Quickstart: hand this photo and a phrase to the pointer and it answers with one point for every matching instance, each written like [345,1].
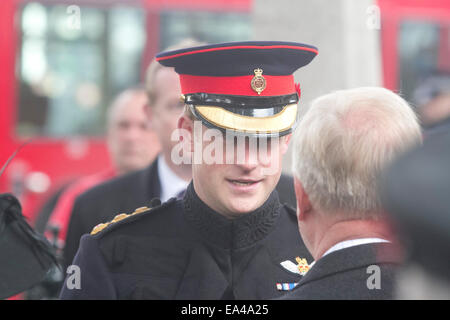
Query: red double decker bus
[63,62]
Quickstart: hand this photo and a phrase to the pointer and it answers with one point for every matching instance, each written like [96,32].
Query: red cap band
[240,85]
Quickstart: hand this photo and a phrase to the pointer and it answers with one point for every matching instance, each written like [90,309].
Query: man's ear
[186,128]
[303,204]
[285,143]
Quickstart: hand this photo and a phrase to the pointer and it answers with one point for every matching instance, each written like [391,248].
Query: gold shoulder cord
[117,218]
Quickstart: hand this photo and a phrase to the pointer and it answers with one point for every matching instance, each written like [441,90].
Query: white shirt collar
[348,244]
[171,184]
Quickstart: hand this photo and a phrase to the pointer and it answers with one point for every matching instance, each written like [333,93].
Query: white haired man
[340,147]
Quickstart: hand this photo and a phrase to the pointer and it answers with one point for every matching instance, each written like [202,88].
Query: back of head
[343,142]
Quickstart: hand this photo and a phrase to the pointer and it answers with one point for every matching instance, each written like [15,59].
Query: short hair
[155,66]
[344,141]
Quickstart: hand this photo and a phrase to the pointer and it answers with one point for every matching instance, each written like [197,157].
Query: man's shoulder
[148,241]
[376,281]
[141,221]
[114,186]
[360,272]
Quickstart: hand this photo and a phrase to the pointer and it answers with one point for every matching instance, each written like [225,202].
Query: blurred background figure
[160,179]
[132,146]
[132,143]
[432,99]
[416,192]
[341,144]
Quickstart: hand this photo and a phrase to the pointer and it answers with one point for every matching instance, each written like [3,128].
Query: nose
[247,160]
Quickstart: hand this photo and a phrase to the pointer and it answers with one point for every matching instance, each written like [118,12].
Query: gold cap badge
[258,81]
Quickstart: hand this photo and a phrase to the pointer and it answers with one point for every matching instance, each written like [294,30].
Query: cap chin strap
[225,101]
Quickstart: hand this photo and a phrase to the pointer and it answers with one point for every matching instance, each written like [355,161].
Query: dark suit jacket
[123,195]
[344,274]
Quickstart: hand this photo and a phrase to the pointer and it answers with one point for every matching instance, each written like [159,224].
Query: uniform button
[120,217]
[141,209]
[99,228]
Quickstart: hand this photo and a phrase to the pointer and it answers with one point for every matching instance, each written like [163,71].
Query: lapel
[351,258]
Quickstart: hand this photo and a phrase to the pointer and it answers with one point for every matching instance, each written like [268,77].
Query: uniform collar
[350,243]
[231,233]
[350,258]
[353,242]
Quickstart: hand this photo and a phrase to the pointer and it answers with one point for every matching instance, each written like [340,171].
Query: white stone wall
[346,33]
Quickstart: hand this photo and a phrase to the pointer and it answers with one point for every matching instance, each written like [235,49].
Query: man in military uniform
[229,237]
[162,179]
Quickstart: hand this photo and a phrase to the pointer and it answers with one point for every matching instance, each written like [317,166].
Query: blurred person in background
[161,179]
[416,192]
[432,99]
[132,145]
[343,141]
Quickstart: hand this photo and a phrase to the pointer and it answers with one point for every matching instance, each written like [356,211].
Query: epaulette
[128,217]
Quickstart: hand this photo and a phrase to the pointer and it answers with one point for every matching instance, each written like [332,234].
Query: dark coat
[185,250]
[124,194]
[103,202]
[344,274]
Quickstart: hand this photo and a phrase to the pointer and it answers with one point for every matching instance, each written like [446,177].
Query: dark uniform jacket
[185,250]
[124,194]
[103,202]
[347,274]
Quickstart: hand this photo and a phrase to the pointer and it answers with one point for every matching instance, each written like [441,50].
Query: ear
[285,143]
[186,128]
[303,204]
[185,123]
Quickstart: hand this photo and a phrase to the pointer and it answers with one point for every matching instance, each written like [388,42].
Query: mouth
[242,185]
